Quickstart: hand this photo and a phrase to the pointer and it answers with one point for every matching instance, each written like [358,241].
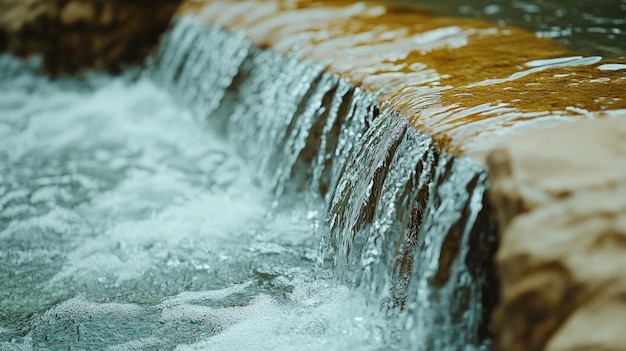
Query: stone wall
[560,198]
[75,34]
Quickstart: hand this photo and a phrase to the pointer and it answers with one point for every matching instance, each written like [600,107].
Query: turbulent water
[126,226]
[229,198]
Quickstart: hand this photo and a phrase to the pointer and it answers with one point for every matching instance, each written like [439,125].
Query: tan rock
[605,314]
[107,14]
[78,12]
[560,198]
[15,14]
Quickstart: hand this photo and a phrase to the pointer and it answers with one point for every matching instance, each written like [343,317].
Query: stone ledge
[466,82]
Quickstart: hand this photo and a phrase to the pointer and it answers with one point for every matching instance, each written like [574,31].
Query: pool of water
[125,225]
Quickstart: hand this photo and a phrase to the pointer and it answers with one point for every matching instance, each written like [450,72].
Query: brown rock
[560,198]
[78,12]
[607,311]
[72,35]
[16,14]
[107,14]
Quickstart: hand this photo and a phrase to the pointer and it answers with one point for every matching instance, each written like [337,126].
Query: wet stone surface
[467,82]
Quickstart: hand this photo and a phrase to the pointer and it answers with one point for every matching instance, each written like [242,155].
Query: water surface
[126,225]
[593,27]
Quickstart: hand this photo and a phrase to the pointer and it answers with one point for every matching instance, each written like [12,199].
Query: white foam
[197,296]
[80,307]
[553,61]
[611,67]
[163,197]
[218,319]
[541,65]
[140,344]
[317,317]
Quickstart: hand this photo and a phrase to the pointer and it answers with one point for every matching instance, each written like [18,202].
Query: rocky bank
[72,35]
[560,198]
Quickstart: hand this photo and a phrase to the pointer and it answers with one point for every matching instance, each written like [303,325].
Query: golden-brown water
[465,81]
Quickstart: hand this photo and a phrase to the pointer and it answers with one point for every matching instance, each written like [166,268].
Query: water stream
[230,198]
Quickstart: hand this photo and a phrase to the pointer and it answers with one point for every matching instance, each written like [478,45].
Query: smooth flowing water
[594,27]
[230,198]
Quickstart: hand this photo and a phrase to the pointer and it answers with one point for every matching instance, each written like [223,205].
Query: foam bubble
[140,344]
[317,316]
[611,67]
[80,307]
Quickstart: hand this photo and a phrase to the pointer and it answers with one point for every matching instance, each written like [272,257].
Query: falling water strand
[361,113]
[197,63]
[408,177]
[443,297]
[248,127]
[325,149]
[295,142]
[358,190]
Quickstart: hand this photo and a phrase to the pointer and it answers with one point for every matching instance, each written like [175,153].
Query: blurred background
[595,27]
[76,34]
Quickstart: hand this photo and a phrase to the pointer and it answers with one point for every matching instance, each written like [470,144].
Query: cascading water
[401,219]
[128,227]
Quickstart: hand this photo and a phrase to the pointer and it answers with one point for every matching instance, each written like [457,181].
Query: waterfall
[401,221]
